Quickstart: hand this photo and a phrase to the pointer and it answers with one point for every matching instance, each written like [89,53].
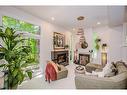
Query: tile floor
[40,83]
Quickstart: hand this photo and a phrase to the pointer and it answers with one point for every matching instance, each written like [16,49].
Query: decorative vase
[84,45]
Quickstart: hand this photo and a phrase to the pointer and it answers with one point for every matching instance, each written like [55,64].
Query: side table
[80,70]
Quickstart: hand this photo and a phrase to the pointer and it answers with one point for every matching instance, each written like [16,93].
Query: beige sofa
[118,81]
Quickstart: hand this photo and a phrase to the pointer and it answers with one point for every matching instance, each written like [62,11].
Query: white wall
[47,40]
[111,36]
[47,29]
[124,44]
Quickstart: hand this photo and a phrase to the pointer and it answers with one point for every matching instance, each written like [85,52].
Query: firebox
[60,57]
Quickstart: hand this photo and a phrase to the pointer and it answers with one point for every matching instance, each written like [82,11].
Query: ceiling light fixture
[98,23]
[80,32]
[73,29]
[52,18]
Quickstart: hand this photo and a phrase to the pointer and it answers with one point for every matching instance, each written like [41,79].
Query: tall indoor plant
[16,56]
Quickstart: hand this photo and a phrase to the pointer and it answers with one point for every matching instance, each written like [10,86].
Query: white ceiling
[65,16]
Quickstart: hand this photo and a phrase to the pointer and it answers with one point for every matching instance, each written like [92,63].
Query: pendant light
[80,32]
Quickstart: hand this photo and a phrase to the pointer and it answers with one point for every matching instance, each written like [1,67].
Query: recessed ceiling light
[73,29]
[52,18]
[98,23]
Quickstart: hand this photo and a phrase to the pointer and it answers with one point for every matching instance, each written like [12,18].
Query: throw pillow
[107,71]
[59,68]
[113,63]
[114,70]
[118,63]
[54,65]
[121,67]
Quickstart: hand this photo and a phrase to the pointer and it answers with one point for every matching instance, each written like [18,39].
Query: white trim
[31,35]
[124,35]
[0,20]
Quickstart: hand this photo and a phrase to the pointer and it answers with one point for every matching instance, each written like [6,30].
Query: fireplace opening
[61,58]
[84,59]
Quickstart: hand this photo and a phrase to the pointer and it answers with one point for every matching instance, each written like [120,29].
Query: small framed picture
[84,59]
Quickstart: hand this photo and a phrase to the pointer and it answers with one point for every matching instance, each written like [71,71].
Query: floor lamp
[104,55]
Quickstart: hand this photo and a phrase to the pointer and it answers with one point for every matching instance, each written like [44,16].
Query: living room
[74,37]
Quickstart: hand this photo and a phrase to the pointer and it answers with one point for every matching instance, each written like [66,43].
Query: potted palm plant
[16,56]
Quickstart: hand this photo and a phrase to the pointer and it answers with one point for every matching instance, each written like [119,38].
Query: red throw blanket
[50,73]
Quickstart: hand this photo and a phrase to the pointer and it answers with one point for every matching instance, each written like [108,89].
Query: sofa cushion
[59,67]
[108,71]
[121,67]
[98,70]
[92,67]
[119,63]
[113,72]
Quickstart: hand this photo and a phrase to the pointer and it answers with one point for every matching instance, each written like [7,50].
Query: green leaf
[9,31]
[22,78]
[1,31]
[9,55]
[15,72]
[2,56]
[29,73]
[14,83]
[2,49]
[16,36]
[30,60]
[19,76]
[10,79]
[2,65]
[24,65]
[14,43]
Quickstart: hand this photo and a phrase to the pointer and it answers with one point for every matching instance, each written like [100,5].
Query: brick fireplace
[60,57]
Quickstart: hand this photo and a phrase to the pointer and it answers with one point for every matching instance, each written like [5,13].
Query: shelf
[60,50]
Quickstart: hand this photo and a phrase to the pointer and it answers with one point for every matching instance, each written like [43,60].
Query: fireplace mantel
[59,50]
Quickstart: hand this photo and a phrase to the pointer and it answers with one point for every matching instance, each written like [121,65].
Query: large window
[20,25]
[31,30]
